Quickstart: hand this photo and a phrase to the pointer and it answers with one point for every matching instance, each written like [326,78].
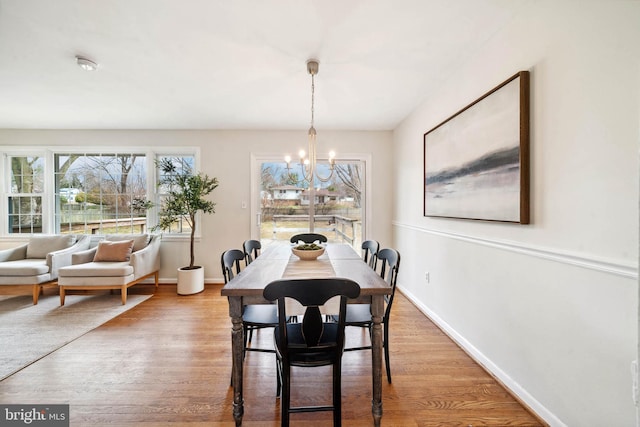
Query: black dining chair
[254,316]
[359,315]
[313,342]
[308,238]
[370,250]
[251,250]
[231,258]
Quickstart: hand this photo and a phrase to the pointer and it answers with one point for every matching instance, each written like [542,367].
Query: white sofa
[36,264]
[89,272]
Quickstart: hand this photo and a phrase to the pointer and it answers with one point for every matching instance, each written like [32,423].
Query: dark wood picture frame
[476,162]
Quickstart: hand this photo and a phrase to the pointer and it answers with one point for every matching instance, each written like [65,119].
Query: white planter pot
[190,281]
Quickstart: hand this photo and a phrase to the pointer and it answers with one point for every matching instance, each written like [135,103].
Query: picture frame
[476,162]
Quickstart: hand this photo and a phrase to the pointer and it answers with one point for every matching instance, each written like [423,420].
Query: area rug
[30,332]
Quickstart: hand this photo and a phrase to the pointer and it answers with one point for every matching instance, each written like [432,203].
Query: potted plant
[185,192]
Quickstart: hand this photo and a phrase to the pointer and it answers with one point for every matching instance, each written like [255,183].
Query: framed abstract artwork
[476,163]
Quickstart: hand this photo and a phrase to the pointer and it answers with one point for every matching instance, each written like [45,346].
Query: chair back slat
[312,326]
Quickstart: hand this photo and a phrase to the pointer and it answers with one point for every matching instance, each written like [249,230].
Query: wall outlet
[427,277]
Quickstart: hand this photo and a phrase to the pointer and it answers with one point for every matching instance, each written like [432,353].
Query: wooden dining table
[277,262]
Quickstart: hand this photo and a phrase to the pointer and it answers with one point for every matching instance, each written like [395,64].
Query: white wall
[227,156]
[551,307]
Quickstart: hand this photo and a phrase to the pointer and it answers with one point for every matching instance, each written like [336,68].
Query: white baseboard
[172,281]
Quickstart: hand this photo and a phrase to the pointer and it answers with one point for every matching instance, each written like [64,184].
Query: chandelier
[308,164]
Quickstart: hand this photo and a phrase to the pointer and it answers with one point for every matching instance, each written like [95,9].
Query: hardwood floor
[166,362]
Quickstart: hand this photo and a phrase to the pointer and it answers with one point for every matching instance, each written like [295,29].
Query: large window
[97,192]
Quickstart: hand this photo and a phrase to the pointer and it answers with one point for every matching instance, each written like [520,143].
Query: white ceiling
[232,64]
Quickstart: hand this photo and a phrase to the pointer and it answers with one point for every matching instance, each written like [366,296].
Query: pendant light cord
[313,91]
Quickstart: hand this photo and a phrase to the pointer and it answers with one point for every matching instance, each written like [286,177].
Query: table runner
[299,269]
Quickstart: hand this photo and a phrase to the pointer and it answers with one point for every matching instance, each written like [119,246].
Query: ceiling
[232,64]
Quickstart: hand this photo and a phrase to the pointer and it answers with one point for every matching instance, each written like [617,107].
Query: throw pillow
[113,251]
[40,246]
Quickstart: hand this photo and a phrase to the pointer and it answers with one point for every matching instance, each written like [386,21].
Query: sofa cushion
[40,246]
[24,267]
[113,251]
[96,269]
[140,241]
[94,281]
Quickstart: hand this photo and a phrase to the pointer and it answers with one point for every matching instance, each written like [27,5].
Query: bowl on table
[308,252]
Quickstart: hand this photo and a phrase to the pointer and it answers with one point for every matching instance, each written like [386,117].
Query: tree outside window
[25,194]
[101,193]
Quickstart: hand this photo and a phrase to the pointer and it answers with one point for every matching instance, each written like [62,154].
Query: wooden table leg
[237,340]
[377,309]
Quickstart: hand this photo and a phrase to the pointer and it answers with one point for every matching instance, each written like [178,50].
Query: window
[25,194]
[100,193]
[106,191]
[180,164]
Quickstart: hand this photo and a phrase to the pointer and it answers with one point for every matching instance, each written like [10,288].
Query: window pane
[26,187]
[27,174]
[178,166]
[25,214]
[101,193]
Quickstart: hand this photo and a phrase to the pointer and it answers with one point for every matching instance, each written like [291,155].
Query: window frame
[366,159]
[107,164]
[5,181]
[157,195]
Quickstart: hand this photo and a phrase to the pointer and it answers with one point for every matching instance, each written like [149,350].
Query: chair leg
[245,341]
[337,394]
[285,397]
[250,334]
[278,378]
[385,346]
[62,294]
[124,294]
